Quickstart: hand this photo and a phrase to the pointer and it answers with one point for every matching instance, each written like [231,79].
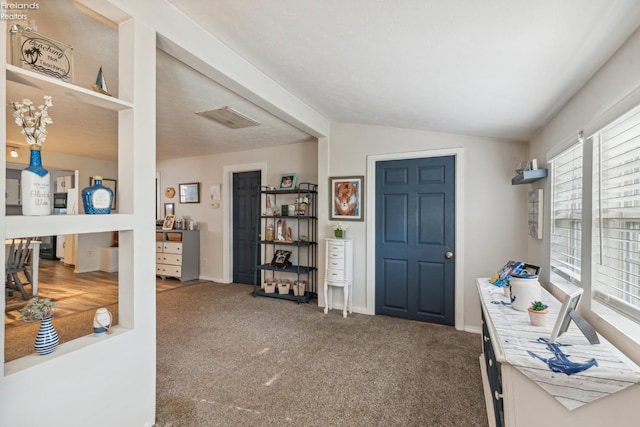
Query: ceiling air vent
[229,117]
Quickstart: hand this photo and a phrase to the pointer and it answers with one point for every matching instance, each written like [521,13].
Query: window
[595,234]
[566,213]
[616,212]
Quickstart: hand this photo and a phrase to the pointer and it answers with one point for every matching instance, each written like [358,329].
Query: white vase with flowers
[35,179]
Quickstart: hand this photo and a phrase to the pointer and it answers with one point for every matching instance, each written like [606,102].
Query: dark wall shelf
[525,177]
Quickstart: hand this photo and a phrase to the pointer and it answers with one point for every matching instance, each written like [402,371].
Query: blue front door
[415,219]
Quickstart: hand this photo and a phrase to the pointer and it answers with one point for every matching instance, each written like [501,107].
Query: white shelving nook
[90,363]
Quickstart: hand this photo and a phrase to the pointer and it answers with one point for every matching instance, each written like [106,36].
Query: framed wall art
[190,193]
[169,209]
[346,198]
[287,181]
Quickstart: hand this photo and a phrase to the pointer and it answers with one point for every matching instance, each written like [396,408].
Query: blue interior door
[245,212]
[415,220]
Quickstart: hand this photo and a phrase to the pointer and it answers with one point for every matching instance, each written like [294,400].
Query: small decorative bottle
[97,199]
[35,186]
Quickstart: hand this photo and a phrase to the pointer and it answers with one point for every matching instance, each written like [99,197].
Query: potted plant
[42,309]
[538,313]
[340,230]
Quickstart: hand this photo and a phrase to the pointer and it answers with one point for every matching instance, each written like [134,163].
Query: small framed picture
[347,198]
[169,209]
[190,193]
[570,303]
[169,220]
[281,258]
[287,181]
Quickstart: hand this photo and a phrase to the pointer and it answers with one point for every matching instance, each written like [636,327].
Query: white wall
[494,217]
[208,170]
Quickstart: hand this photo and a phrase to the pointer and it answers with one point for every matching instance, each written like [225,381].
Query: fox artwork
[346,198]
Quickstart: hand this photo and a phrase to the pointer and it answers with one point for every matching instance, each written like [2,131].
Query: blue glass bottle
[97,199]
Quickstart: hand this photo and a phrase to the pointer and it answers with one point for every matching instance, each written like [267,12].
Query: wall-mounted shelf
[525,177]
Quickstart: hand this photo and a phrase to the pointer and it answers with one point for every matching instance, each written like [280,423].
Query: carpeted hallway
[226,358]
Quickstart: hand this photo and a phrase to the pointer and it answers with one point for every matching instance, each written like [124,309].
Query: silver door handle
[448,255]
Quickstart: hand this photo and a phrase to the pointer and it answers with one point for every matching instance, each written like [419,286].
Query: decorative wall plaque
[33,51]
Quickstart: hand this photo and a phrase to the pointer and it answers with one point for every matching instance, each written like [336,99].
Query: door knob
[448,255]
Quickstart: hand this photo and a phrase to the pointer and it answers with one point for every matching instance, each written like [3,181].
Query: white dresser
[178,254]
[339,271]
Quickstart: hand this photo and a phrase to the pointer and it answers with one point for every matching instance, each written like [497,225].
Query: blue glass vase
[97,199]
[35,186]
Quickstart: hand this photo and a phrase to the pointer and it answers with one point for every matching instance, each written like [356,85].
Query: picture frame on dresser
[346,198]
[169,220]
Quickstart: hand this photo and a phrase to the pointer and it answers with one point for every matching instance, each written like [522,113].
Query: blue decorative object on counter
[97,199]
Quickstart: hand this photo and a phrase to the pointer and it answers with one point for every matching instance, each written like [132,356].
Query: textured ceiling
[497,68]
[492,68]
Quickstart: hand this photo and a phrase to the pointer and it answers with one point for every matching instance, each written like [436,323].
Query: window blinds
[616,199]
[566,213]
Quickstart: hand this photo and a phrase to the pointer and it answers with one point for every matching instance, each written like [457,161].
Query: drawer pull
[490,362]
[497,395]
[486,338]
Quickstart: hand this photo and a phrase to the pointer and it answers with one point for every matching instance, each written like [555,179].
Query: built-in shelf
[58,88]
[525,177]
[22,226]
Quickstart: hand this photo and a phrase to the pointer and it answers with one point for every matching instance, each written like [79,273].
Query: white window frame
[603,305]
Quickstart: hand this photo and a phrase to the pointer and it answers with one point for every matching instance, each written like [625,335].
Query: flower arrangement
[37,309]
[302,199]
[340,227]
[33,120]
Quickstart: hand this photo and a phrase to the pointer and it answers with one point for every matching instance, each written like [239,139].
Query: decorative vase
[340,234]
[524,291]
[538,318]
[97,199]
[47,338]
[35,186]
[102,322]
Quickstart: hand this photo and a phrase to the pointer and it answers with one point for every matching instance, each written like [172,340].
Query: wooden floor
[75,292]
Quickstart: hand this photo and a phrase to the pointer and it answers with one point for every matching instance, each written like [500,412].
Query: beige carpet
[226,358]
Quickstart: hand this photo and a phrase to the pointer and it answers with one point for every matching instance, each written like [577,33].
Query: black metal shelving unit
[306,251]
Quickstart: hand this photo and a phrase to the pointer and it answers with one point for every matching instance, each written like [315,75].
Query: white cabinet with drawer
[178,254]
[339,271]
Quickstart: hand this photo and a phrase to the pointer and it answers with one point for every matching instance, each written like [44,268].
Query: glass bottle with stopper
[97,199]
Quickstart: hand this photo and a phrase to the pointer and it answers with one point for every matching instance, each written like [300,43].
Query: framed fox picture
[347,198]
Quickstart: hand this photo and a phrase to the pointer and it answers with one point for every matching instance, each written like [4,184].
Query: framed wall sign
[169,209]
[190,193]
[33,51]
[346,198]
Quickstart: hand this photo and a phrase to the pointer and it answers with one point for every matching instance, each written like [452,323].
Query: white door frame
[227,212]
[458,153]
